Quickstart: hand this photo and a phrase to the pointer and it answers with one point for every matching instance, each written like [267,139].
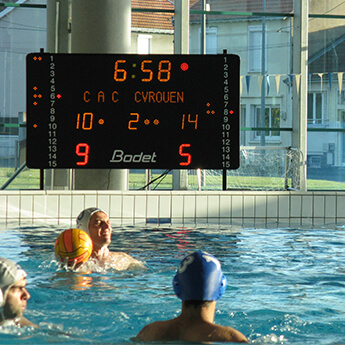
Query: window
[341,98]
[243,118]
[211,40]
[144,44]
[314,161]
[255,49]
[341,119]
[316,108]
[9,126]
[272,120]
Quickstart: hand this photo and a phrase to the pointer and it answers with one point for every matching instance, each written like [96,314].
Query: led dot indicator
[184,66]
[58,96]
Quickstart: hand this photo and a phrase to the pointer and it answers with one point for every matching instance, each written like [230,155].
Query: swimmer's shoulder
[158,330]
[23,321]
[229,334]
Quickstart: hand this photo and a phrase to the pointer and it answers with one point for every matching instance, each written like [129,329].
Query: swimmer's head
[10,274]
[199,278]
[84,217]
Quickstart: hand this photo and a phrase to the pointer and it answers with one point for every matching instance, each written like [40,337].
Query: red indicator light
[58,96]
[231,112]
[184,66]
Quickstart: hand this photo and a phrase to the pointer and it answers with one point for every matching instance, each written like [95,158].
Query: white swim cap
[84,217]
[10,273]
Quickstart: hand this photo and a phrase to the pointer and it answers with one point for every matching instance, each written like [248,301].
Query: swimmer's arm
[23,321]
[133,263]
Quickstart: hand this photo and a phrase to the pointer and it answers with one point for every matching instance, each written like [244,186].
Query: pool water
[285,286]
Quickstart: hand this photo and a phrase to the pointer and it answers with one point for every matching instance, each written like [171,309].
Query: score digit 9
[82,150]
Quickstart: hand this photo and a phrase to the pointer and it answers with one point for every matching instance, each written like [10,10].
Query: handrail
[14,175]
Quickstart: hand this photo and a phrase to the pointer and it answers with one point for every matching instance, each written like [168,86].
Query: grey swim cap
[10,273]
[84,218]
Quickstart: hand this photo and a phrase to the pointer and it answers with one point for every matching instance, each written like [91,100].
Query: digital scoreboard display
[132,111]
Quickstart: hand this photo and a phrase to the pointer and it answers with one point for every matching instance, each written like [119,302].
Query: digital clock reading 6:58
[132,111]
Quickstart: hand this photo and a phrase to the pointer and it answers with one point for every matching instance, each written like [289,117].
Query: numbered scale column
[226,141]
[52,125]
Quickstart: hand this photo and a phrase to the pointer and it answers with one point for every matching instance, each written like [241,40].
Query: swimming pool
[285,286]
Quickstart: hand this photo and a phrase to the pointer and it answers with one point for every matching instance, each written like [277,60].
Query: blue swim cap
[199,278]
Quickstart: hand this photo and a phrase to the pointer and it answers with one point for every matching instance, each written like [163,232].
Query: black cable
[162,176]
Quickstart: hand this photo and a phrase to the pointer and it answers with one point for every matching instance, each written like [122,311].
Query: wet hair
[196,304]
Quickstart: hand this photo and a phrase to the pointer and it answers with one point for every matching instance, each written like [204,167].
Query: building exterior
[271,83]
[152,32]
[267,81]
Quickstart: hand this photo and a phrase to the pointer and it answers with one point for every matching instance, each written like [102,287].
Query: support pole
[300,95]
[181,46]
[89,26]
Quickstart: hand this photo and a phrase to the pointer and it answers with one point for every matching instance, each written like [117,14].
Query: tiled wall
[252,209]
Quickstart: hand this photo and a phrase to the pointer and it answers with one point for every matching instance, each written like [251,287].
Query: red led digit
[184,154]
[82,150]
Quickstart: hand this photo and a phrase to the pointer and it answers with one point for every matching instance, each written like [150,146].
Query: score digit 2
[82,150]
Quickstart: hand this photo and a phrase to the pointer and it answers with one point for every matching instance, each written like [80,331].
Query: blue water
[285,286]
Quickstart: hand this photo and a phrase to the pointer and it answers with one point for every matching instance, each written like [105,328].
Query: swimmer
[13,294]
[96,223]
[199,283]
